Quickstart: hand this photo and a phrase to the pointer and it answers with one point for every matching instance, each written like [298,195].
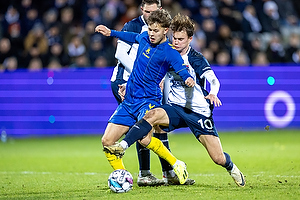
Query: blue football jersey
[151,65]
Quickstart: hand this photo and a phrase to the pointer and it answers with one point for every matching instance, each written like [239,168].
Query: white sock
[144,173]
[176,163]
[169,173]
[124,144]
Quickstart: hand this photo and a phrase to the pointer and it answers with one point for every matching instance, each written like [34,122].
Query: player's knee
[151,116]
[144,142]
[106,142]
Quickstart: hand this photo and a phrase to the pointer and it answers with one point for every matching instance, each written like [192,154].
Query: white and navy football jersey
[191,98]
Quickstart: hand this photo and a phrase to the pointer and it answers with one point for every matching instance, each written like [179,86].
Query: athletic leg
[179,167]
[144,126]
[164,138]
[214,148]
[112,134]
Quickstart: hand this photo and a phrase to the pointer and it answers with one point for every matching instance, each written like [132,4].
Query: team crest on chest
[147,52]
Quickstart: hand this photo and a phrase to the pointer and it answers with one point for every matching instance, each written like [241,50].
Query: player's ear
[166,30]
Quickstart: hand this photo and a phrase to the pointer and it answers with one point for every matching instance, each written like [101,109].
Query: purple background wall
[80,101]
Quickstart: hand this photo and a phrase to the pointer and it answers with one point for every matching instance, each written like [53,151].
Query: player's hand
[190,82]
[214,100]
[122,91]
[103,30]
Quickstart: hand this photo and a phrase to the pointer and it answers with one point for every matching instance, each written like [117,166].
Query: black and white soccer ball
[120,181]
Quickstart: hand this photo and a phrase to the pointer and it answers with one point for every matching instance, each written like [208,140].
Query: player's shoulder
[135,25]
[169,46]
[197,59]
[170,50]
[195,54]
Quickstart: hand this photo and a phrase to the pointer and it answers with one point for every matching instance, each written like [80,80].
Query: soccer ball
[120,181]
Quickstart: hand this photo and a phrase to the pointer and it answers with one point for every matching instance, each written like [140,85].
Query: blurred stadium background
[55,71]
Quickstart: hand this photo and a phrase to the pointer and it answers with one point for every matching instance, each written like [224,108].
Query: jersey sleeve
[130,27]
[177,64]
[198,62]
[125,36]
[213,81]
[122,55]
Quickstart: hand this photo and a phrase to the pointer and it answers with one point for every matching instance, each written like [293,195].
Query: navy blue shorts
[181,117]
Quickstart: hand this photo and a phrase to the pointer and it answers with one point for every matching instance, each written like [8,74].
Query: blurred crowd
[53,34]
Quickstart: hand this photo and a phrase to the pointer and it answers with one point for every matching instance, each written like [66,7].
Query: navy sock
[137,132]
[143,156]
[164,138]
[229,164]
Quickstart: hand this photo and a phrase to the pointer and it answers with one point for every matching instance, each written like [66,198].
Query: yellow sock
[159,148]
[114,161]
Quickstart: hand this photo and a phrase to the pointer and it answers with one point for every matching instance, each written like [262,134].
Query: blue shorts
[180,117]
[128,114]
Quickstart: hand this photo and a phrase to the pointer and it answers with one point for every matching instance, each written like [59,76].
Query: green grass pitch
[76,168]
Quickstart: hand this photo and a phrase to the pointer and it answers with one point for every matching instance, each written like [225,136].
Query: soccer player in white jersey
[187,107]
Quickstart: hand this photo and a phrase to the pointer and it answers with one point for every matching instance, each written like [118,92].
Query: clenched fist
[103,30]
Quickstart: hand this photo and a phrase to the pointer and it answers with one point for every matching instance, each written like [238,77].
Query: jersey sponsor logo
[179,83]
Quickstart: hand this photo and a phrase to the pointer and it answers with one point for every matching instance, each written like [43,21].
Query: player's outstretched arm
[125,36]
[103,30]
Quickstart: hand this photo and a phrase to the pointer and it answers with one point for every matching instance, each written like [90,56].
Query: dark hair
[183,23]
[150,2]
[160,16]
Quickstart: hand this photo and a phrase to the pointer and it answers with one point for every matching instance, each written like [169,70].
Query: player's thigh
[157,116]
[113,133]
[172,118]
[143,107]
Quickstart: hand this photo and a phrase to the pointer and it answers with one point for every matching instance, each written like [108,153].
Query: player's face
[157,34]
[181,41]
[147,9]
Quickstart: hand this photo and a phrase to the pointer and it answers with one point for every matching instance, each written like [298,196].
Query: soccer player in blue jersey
[187,107]
[126,54]
[155,56]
